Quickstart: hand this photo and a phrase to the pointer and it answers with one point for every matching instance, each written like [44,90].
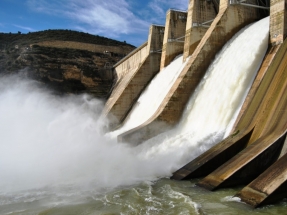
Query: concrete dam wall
[220,31]
[134,72]
[254,152]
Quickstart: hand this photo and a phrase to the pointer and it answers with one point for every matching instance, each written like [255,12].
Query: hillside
[69,61]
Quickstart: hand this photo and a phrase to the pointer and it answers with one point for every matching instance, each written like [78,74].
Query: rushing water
[55,159]
[213,108]
[152,96]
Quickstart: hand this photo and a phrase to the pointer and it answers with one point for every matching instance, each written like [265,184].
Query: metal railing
[245,3]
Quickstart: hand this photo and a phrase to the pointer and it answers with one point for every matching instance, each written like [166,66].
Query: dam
[253,151]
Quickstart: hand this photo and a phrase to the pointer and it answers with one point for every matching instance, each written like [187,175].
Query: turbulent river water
[56,159]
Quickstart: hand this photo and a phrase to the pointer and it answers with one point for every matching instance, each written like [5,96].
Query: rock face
[68,61]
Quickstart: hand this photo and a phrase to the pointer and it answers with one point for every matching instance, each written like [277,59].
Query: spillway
[152,96]
[218,98]
[213,108]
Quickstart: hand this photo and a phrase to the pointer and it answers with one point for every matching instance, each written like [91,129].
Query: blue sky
[123,20]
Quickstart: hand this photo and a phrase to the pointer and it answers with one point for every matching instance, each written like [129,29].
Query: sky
[123,20]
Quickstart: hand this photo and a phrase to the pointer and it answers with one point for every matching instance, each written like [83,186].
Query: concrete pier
[135,78]
[200,16]
[269,187]
[278,21]
[247,164]
[174,36]
[215,157]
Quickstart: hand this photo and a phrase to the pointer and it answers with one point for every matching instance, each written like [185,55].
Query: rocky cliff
[69,61]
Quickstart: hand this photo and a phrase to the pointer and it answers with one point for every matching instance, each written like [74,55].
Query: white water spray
[51,141]
[48,141]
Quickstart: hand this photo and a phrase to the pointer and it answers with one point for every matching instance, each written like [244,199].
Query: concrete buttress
[174,35]
[200,16]
[269,187]
[136,78]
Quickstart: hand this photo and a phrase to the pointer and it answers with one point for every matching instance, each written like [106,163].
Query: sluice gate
[252,154]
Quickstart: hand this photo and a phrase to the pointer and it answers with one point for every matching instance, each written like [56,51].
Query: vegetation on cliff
[10,39]
[69,61]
